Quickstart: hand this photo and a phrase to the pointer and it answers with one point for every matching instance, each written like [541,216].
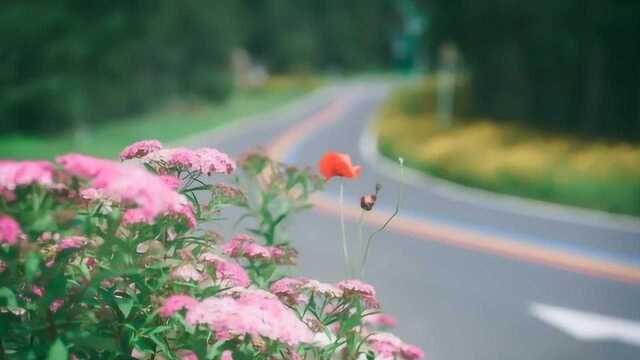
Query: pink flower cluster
[244,246]
[360,289]
[204,160]
[296,290]
[175,303]
[289,289]
[227,272]
[72,242]
[130,185]
[21,173]
[252,312]
[187,272]
[388,346]
[379,320]
[139,149]
[92,194]
[173,182]
[9,230]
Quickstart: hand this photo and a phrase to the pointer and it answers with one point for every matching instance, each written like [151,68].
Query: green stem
[3,354]
[360,240]
[345,249]
[196,188]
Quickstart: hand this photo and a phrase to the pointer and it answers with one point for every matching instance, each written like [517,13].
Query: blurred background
[537,99]
[550,90]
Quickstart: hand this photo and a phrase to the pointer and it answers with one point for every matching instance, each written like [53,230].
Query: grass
[510,158]
[170,123]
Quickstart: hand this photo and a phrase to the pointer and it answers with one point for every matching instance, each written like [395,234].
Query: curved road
[465,278]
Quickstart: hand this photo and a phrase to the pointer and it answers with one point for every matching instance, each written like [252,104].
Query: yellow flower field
[514,159]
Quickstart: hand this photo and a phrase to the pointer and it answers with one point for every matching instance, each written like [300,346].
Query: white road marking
[586,326]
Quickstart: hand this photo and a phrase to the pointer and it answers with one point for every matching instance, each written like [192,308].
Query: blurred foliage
[562,65]
[173,121]
[72,63]
[512,158]
[421,99]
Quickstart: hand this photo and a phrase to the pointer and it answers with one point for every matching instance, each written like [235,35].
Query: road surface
[466,279]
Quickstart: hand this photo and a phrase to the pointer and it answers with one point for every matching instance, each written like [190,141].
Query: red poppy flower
[337,164]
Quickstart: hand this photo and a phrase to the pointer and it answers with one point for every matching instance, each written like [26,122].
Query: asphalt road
[468,300]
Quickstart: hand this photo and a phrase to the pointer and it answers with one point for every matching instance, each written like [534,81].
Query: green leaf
[9,297]
[159,329]
[32,266]
[160,344]
[125,305]
[350,322]
[58,351]
[267,271]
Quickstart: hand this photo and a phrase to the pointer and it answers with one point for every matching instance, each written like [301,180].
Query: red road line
[443,234]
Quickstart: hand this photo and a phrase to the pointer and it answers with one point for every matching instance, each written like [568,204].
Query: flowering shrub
[108,260]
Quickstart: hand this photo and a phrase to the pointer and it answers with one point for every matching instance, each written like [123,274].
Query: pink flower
[92,194]
[37,291]
[72,242]
[46,236]
[134,216]
[227,272]
[186,272]
[365,291]
[186,355]
[211,258]
[388,346]
[126,183]
[204,160]
[327,290]
[412,352]
[83,165]
[178,158]
[380,319]
[171,181]
[56,305]
[185,212]
[9,230]
[289,289]
[140,148]
[212,161]
[226,355]
[175,303]
[232,273]
[234,247]
[250,312]
[22,173]
[138,354]
[243,245]
[356,287]
[8,195]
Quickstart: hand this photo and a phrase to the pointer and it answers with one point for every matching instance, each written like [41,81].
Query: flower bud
[367,201]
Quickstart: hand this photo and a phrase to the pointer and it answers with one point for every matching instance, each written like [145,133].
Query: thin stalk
[395,212]
[345,249]
[360,240]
